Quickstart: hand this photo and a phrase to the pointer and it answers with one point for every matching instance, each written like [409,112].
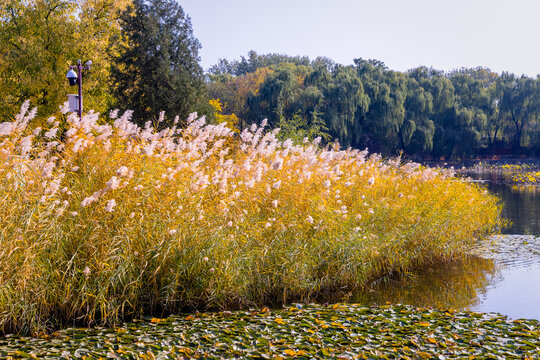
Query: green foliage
[342,101]
[276,94]
[520,104]
[423,112]
[299,129]
[253,62]
[157,66]
[235,90]
[385,115]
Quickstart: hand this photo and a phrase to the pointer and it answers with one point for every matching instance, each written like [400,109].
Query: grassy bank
[105,221]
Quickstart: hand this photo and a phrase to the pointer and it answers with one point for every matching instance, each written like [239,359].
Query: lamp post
[75,78]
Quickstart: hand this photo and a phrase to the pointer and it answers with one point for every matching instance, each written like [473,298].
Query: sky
[503,35]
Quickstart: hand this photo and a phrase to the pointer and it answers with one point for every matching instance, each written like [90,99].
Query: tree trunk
[517,143]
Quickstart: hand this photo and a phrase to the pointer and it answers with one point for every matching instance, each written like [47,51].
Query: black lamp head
[72,77]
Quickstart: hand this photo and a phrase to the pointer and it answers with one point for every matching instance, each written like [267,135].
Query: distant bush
[101,222]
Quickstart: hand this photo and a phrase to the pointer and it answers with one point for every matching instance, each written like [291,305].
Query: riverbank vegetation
[103,220]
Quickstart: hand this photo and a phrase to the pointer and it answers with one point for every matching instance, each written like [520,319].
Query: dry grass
[111,221]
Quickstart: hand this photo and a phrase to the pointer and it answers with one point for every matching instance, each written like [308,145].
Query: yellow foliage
[216,104]
[251,81]
[40,39]
[110,221]
[230,120]
[236,90]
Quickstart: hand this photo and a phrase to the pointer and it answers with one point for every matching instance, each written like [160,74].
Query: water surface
[521,203]
[502,276]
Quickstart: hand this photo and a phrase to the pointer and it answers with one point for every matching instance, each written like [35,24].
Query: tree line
[146,59]
[424,112]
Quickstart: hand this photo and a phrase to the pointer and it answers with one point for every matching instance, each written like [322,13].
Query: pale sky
[503,35]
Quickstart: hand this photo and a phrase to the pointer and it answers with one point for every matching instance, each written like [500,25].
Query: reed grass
[101,220]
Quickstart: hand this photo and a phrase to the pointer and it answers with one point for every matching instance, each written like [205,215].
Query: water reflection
[517,295]
[521,203]
[503,277]
[455,285]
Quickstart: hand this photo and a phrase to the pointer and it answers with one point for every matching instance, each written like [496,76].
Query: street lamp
[75,78]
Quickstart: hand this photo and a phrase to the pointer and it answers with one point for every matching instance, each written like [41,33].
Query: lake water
[505,278]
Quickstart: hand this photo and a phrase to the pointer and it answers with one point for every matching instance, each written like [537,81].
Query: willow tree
[520,105]
[418,129]
[342,101]
[387,91]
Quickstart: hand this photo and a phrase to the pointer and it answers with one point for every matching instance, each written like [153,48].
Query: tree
[158,67]
[277,95]
[40,38]
[253,62]
[417,131]
[424,112]
[235,90]
[298,128]
[519,104]
[342,99]
[383,123]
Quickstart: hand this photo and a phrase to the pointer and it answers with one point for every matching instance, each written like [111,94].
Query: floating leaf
[315,332]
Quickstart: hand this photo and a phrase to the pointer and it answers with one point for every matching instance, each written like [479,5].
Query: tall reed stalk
[102,220]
